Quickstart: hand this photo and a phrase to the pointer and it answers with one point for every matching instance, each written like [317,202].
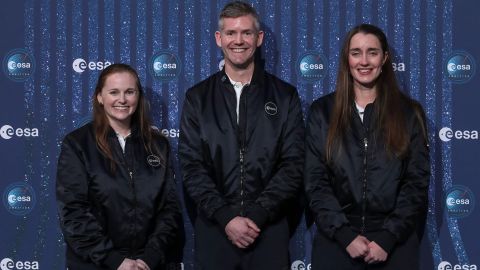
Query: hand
[141,265]
[128,264]
[358,247]
[376,254]
[242,231]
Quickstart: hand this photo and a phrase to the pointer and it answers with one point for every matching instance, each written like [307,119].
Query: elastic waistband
[372,223]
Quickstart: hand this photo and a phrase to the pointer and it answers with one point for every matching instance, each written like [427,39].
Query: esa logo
[311,67]
[446,134]
[19,198]
[171,133]
[460,67]
[79,65]
[399,67]
[165,66]
[9,264]
[459,201]
[300,265]
[444,265]
[271,108]
[18,65]
[7,132]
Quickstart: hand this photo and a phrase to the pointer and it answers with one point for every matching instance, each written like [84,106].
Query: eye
[130,93]
[113,93]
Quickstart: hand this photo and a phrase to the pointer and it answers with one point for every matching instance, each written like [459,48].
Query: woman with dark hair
[115,190]
[367,163]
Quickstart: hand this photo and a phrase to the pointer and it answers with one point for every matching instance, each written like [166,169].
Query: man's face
[239,39]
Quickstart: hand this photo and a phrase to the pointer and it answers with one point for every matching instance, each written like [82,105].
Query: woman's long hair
[388,110]
[140,117]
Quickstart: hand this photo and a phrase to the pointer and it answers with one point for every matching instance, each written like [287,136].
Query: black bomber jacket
[252,168]
[364,188]
[107,217]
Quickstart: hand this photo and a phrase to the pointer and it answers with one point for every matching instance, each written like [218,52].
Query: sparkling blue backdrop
[71,41]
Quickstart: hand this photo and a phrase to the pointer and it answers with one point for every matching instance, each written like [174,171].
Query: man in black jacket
[241,152]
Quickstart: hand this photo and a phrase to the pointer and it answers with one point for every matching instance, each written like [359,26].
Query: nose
[364,60]
[238,38]
[122,98]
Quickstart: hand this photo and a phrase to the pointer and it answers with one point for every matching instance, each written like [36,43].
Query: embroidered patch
[153,161]
[271,108]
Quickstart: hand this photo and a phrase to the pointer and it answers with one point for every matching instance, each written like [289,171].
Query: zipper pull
[362,230]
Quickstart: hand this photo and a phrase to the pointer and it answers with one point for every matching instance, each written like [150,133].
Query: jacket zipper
[132,185]
[364,186]
[242,180]
[242,150]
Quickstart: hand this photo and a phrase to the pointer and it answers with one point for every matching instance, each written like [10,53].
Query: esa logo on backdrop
[165,66]
[460,67]
[18,65]
[459,201]
[446,134]
[7,132]
[444,265]
[311,67]
[398,67]
[169,133]
[19,198]
[9,264]
[79,65]
[300,265]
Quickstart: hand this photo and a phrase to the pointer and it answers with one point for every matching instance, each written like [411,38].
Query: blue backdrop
[52,53]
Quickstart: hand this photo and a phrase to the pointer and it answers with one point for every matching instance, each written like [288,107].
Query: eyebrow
[116,89]
[369,49]
[240,31]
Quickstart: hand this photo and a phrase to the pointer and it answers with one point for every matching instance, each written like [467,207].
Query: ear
[385,58]
[100,99]
[218,38]
[261,34]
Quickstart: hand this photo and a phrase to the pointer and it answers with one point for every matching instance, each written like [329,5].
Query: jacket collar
[257,77]
[369,121]
[135,131]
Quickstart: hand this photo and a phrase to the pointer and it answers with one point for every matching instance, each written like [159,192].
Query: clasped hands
[242,231]
[129,264]
[369,250]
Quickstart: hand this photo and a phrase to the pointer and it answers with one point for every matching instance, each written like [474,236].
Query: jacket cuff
[153,258]
[344,236]
[223,215]
[258,215]
[386,240]
[113,259]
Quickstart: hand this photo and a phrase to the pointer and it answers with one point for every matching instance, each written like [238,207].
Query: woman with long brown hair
[367,163]
[115,189]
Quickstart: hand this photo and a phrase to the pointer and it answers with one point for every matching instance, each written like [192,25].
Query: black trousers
[75,262]
[213,250]
[327,254]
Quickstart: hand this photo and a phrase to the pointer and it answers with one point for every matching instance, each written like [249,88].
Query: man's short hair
[237,9]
